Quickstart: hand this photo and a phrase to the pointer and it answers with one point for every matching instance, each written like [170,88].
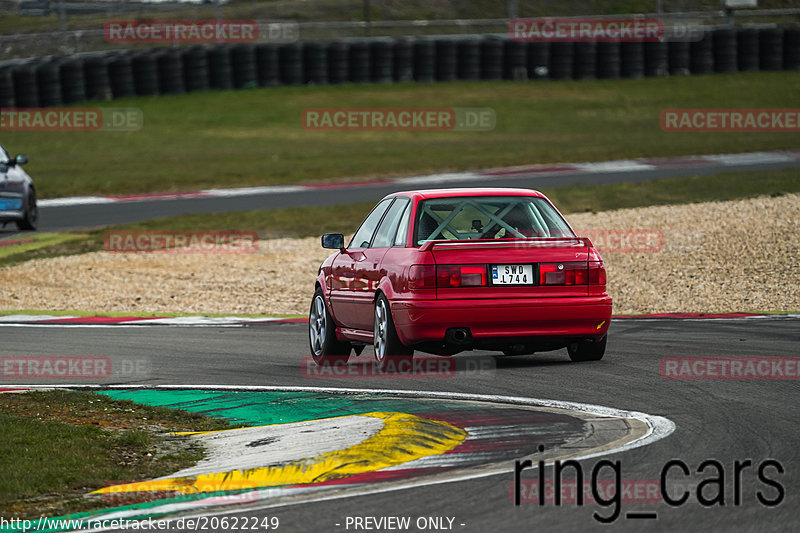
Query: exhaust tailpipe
[459,336]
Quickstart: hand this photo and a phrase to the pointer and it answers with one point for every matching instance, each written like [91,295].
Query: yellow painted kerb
[404,437]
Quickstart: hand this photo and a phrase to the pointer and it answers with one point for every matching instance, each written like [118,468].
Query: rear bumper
[10,215]
[420,321]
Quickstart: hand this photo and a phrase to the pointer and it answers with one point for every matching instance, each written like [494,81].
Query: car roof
[424,194]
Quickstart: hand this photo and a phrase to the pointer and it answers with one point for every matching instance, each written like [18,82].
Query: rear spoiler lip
[532,242]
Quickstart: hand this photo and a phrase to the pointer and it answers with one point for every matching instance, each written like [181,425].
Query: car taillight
[597,273]
[422,277]
[566,273]
[572,273]
[460,276]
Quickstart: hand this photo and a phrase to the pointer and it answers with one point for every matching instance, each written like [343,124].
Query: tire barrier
[243,62]
[701,57]
[424,62]
[49,83]
[631,60]
[538,61]
[73,90]
[120,76]
[382,61]
[171,79]
[491,58]
[315,61]
[585,61]
[220,71]
[26,90]
[515,66]
[338,62]
[561,59]
[359,61]
[770,49]
[95,71]
[290,63]
[145,74]
[469,59]
[609,62]
[105,75]
[195,68]
[6,88]
[791,48]
[445,60]
[747,49]
[267,65]
[656,59]
[678,53]
[725,45]
[403,52]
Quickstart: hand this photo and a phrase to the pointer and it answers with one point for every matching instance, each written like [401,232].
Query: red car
[443,271]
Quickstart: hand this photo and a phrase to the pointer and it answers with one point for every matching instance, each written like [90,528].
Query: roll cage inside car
[519,217]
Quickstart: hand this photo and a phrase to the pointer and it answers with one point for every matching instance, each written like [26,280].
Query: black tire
[587,350]
[424,60]
[389,351]
[403,51]
[326,349]
[30,218]
[6,88]
[290,63]
[25,88]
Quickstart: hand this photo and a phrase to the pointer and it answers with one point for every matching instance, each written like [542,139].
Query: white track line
[40,321]
[623,165]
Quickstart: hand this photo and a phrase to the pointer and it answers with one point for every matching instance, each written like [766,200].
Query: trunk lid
[515,260]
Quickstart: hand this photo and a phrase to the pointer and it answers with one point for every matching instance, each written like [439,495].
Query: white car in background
[17,193]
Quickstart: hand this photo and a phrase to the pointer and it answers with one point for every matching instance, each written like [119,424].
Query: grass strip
[59,445]
[255,137]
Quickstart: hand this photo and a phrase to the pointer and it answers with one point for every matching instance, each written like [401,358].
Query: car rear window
[487,217]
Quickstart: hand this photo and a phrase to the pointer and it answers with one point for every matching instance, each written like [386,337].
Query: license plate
[10,204]
[512,274]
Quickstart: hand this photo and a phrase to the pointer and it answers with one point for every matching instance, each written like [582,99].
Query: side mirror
[334,241]
[21,159]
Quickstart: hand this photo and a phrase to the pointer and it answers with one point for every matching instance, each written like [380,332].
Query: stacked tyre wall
[54,81]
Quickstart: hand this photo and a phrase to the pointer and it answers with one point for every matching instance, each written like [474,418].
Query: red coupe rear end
[442,271]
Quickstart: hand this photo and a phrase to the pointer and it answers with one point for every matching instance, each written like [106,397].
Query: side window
[4,158]
[364,234]
[388,228]
[402,229]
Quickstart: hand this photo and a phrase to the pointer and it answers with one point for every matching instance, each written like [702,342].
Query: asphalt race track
[736,437]
[62,217]
[727,421]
